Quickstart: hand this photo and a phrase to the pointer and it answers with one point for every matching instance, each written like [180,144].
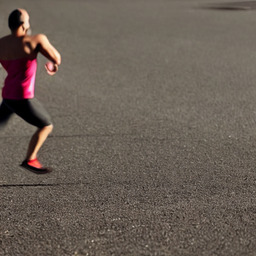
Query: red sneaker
[35,166]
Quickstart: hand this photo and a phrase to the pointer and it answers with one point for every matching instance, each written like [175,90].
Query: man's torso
[12,47]
[18,57]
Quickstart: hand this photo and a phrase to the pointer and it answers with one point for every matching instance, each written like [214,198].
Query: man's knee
[48,128]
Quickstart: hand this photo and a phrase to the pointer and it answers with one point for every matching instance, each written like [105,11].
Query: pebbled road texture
[154,143]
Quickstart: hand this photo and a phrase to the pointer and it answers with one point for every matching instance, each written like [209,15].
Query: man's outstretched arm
[48,50]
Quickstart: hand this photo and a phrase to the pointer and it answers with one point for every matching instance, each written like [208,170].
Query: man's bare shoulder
[39,38]
[4,39]
[4,44]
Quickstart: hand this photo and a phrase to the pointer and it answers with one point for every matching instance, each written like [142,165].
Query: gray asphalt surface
[154,143]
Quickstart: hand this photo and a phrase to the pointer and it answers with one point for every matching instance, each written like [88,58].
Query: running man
[18,56]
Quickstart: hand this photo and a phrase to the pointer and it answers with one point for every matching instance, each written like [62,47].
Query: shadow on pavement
[39,185]
[233,6]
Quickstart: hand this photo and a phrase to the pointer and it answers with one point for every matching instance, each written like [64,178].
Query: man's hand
[51,68]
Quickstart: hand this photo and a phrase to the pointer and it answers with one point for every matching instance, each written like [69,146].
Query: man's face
[26,24]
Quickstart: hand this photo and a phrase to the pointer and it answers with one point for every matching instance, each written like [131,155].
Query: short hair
[15,20]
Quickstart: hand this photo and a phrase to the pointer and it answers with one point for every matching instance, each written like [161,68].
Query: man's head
[19,19]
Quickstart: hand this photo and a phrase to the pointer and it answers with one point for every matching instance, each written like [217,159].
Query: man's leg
[37,141]
[34,113]
[5,114]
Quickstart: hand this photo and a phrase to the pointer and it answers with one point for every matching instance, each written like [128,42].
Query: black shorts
[31,110]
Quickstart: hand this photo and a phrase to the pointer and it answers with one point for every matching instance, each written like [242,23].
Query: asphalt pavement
[154,141]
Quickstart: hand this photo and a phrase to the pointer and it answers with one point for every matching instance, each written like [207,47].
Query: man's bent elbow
[58,59]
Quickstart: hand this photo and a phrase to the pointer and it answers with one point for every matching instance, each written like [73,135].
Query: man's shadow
[232,6]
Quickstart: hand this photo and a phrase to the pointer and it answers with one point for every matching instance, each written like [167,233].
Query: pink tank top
[20,80]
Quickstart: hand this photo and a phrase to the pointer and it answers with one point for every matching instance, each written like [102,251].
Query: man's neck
[18,33]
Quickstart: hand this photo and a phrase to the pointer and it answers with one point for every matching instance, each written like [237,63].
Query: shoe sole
[35,170]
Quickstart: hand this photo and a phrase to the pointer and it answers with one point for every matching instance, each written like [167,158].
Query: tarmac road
[154,143]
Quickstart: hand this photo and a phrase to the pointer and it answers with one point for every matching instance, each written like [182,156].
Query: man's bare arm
[48,50]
